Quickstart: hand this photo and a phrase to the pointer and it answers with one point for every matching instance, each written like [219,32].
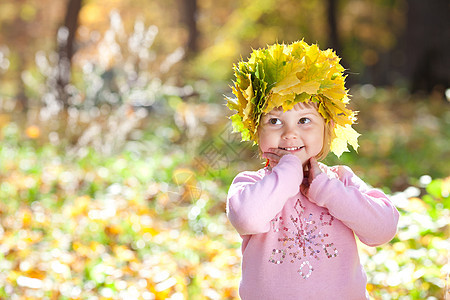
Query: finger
[271,156]
[314,169]
[304,188]
[305,182]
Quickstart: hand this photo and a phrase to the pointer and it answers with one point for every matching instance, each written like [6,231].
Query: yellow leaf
[337,92]
[249,90]
[240,97]
[344,134]
[248,96]
[277,100]
[289,81]
[310,88]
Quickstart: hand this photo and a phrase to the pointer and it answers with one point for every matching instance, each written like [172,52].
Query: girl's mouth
[292,148]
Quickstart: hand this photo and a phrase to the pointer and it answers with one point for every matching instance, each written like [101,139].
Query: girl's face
[300,131]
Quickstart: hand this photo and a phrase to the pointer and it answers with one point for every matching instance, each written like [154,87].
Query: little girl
[298,218]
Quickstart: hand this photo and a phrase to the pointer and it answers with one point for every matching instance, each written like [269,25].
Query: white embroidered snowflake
[303,239]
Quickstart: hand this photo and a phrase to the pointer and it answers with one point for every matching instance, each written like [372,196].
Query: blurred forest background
[116,152]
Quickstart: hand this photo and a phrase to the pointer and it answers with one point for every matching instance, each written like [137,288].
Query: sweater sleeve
[368,212]
[254,200]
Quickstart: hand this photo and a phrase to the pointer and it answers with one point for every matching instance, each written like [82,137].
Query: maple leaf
[290,80]
[310,87]
[240,97]
[275,64]
[344,134]
[277,100]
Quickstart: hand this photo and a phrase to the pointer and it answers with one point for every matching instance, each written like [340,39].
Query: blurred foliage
[404,137]
[122,227]
[111,94]
[368,31]
[414,265]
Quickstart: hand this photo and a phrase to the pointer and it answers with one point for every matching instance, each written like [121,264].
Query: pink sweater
[297,247]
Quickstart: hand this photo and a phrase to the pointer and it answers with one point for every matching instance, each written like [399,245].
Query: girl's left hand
[310,172]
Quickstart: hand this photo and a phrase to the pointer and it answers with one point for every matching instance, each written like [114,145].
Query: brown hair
[327,138]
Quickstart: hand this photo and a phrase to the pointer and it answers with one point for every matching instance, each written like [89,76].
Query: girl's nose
[289,133]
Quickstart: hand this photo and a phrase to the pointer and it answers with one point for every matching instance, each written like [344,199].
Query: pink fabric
[297,247]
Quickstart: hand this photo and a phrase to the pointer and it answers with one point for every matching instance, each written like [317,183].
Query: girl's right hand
[274,155]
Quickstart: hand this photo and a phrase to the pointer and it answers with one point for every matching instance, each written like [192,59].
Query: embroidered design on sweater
[302,238]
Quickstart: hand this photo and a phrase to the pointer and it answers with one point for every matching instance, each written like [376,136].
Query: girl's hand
[310,172]
[274,155]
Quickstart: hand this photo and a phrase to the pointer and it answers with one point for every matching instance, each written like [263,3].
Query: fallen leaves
[113,243]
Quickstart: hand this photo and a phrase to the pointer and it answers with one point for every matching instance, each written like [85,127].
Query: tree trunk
[427,45]
[333,34]
[18,32]
[66,38]
[189,18]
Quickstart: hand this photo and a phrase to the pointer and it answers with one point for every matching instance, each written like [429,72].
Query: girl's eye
[304,121]
[275,121]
